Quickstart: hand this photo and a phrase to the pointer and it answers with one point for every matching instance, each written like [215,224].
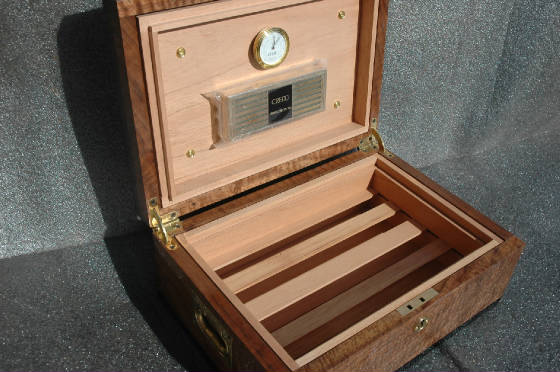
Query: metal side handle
[215,332]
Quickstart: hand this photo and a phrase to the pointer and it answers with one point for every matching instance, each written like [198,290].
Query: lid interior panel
[217,38]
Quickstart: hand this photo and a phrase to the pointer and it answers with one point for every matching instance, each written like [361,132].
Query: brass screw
[374,123]
[153,202]
[190,153]
[341,14]
[337,104]
[181,52]
[171,247]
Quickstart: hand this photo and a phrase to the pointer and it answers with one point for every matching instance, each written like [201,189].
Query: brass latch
[421,325]
[373,142]
[164,226]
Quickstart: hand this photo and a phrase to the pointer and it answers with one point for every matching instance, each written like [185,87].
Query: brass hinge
[164,226]
[373,141]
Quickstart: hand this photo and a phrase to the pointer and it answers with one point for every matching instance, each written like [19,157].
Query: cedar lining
[315,283]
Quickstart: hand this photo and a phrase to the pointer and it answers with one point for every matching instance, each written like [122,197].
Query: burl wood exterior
[387,343]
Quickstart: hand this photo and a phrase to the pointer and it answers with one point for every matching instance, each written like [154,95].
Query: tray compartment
[405,261]
[316,264]
[299,257]
[327,274]
[316,337]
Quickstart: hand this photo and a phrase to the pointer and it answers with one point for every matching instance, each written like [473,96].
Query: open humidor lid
[212,120]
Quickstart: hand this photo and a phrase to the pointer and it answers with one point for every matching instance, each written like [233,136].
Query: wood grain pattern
[137,95]
[309,358]
[301,307]
[185,248]
[128,8]
[424,286]
[188,276]
[427,283]
[179,91]
[335,269]
[305,348]
[306,249]
[306,358]
[420,210]
[149,27]
[249,192]
[347,300]
[464,221]
[382,15]
[261,178]
[258,233]
[149,45]
[359,357]
[462,294]
[434,220]
[448,196]
[354,178]
[365,61]
[180,293]
[321,257]
[256,227]
[391,341]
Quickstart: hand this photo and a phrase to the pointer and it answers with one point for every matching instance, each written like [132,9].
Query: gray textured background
[471,95]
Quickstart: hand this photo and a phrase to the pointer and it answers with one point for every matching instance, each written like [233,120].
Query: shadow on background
[133,257]
[91,87]
[92,90]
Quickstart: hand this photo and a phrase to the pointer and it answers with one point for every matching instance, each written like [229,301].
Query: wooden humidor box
[285,250]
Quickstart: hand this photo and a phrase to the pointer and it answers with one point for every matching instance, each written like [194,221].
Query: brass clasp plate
[164,226]
[417,302]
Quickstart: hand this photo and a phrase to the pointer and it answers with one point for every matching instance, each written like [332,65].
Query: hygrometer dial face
[271,47]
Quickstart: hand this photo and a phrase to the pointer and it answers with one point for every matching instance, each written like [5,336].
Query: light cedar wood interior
[223,31]
[248,231]
[317,263]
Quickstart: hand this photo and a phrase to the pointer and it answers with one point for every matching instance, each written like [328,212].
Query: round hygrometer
[270,47]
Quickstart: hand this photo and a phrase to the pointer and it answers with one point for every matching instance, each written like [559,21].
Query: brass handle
[422,324]
[216,333]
